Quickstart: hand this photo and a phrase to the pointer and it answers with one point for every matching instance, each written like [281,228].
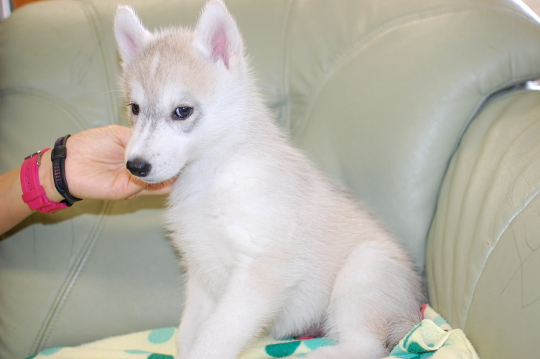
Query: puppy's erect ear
[130,33]
[217,35]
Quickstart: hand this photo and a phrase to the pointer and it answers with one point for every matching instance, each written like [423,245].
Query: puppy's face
[178,85]
[166,86]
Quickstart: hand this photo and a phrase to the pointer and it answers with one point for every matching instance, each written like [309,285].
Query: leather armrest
[483,255]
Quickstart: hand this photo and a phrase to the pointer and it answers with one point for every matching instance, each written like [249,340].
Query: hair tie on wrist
[58,158]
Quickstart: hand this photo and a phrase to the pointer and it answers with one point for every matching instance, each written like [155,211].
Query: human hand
[96,169]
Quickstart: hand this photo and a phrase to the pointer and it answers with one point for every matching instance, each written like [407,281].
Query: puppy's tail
[400,327]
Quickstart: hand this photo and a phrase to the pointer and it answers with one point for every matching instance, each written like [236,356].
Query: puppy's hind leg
[376,284]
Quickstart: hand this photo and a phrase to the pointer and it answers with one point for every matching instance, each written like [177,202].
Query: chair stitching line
[71,279]
[90,13]
[496,241]
[350,52]
[285,83]
[44,96]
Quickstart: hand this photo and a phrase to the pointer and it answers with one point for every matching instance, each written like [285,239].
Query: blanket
[432,338]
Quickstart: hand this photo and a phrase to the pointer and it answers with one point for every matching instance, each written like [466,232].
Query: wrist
[33,192]
[46,178]
[58,159]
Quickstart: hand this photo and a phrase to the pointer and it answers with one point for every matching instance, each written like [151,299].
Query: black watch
[58,158]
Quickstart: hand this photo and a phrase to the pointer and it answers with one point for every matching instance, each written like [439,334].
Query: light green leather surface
[377,92]
[483,262]
[381,90]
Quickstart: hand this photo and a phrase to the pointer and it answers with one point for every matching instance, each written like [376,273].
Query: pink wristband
[33,192]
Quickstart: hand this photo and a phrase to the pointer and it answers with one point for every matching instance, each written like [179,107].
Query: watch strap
[58,158]
[33,193]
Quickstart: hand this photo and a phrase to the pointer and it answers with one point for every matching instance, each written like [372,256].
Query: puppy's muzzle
[139,167]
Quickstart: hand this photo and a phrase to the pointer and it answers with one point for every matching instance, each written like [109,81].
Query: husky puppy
[270,244]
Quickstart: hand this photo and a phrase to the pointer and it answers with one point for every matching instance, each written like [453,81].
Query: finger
[154,192]
[158,188]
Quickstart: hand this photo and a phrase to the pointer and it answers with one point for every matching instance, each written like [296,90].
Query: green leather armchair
[425,109]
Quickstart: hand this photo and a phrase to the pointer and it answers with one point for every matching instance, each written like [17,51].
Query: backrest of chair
[377,93]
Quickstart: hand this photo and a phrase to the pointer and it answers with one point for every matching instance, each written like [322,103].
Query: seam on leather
[525,204]
[462,317]
[70,281]
[89,11]
[348,54]
[78,266]
[451,192]
[486,100]
[46,97]
[285,115]
[506,88]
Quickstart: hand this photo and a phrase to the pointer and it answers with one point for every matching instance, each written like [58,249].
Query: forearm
[94,168]
[12,207]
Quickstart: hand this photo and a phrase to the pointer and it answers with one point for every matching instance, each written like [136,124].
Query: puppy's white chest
[218,226]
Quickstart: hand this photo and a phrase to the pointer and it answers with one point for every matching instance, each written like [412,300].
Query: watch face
[58,152]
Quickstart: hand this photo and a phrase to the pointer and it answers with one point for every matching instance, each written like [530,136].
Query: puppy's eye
[182,112]
[134,108]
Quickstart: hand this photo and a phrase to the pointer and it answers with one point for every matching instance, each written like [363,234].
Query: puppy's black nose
[138,167]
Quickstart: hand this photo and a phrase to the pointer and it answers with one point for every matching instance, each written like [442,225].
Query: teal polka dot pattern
[281,350]
[160,336]
[160,344]
[136,352]
[423,342]
[160,356]
[440,321]
[296,348]
[51,351]
[317,343]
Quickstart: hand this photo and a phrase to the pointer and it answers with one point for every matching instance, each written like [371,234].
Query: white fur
[131,36]
[268,242]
